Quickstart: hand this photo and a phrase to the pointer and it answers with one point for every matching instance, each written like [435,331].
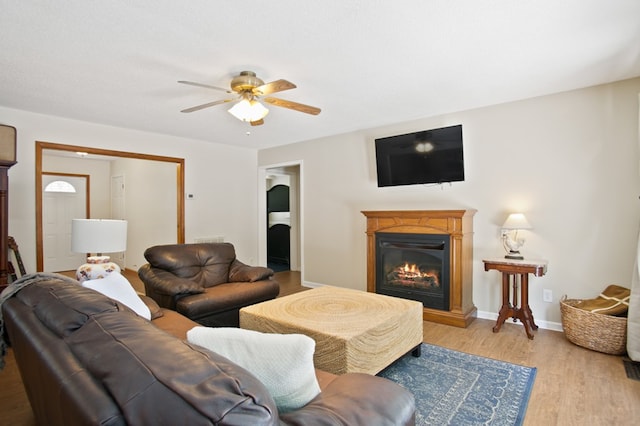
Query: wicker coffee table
[354,331]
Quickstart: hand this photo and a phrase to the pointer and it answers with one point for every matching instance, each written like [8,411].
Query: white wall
[569,161]
[221,206]
[150,204]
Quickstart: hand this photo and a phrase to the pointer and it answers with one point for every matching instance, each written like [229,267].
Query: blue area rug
[455,388]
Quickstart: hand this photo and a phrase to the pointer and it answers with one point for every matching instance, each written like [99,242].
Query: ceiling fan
[250,91]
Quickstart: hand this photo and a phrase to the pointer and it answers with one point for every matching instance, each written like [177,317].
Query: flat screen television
[428,156]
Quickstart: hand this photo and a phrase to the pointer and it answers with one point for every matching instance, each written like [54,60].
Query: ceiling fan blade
[293,105]
[191,83]
[273,87]
[207,105]
[257,122]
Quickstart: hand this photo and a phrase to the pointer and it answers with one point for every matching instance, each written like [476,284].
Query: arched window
[59,186]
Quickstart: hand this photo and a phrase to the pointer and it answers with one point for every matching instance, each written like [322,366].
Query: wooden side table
[516,272]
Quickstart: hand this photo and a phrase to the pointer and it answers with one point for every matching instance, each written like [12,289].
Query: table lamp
[510,240]
[98,236]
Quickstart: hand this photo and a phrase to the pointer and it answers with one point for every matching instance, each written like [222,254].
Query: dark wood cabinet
[7,159]
[4,226]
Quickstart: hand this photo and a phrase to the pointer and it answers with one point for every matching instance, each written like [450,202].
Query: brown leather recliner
[205,282]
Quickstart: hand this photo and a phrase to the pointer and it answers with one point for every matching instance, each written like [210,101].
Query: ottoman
[354,331]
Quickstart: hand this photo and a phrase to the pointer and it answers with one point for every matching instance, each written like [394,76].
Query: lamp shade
[516,221]
[98,235]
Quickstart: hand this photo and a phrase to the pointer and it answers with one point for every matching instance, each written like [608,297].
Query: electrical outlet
[547,295]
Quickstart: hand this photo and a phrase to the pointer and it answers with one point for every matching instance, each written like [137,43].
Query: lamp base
[96,267]
[514,255]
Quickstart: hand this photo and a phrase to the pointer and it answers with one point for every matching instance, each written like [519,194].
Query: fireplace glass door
[414,266]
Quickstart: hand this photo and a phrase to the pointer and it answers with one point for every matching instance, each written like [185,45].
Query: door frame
[42,146]
[262,208]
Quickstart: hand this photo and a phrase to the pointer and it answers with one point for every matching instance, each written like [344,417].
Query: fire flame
[411,273]
[413,268]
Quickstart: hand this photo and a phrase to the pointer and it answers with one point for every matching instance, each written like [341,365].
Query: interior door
[59,206]
[117,197]
[118,212]
[279,228]
[271,176]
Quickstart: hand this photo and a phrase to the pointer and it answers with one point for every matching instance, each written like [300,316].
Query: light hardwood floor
[573,385]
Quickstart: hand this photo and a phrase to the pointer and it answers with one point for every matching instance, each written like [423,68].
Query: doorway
[278,223]
[281,220]
[177,167]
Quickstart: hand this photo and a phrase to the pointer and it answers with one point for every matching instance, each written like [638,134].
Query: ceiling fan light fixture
[251,90]
[249,110]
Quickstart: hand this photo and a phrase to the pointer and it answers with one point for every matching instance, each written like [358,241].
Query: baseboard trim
[312,284]
[546,325]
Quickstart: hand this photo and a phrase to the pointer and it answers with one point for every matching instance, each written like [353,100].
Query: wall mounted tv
[428,156]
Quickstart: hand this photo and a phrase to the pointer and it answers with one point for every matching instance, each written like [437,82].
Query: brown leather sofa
[86,359]
[205,282]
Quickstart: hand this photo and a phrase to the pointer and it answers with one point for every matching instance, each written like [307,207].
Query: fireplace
[414,266]
[424,255]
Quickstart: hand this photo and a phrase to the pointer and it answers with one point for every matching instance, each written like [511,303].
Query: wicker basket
[598,332]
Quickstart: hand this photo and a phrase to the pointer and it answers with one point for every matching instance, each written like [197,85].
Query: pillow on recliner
[240,272]
[282,362]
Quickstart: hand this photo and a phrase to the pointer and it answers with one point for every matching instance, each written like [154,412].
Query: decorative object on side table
[98,236]
[510,240]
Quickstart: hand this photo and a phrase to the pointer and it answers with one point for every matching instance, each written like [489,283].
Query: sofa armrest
[165,283]
[240,272]
[357,399]
[154,308]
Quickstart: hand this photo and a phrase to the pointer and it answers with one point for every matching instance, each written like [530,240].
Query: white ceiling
[366,63]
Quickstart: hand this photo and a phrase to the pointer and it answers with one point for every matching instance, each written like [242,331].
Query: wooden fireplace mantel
[458,224]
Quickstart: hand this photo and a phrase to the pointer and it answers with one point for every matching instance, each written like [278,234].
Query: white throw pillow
[282,362]
[118,288]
